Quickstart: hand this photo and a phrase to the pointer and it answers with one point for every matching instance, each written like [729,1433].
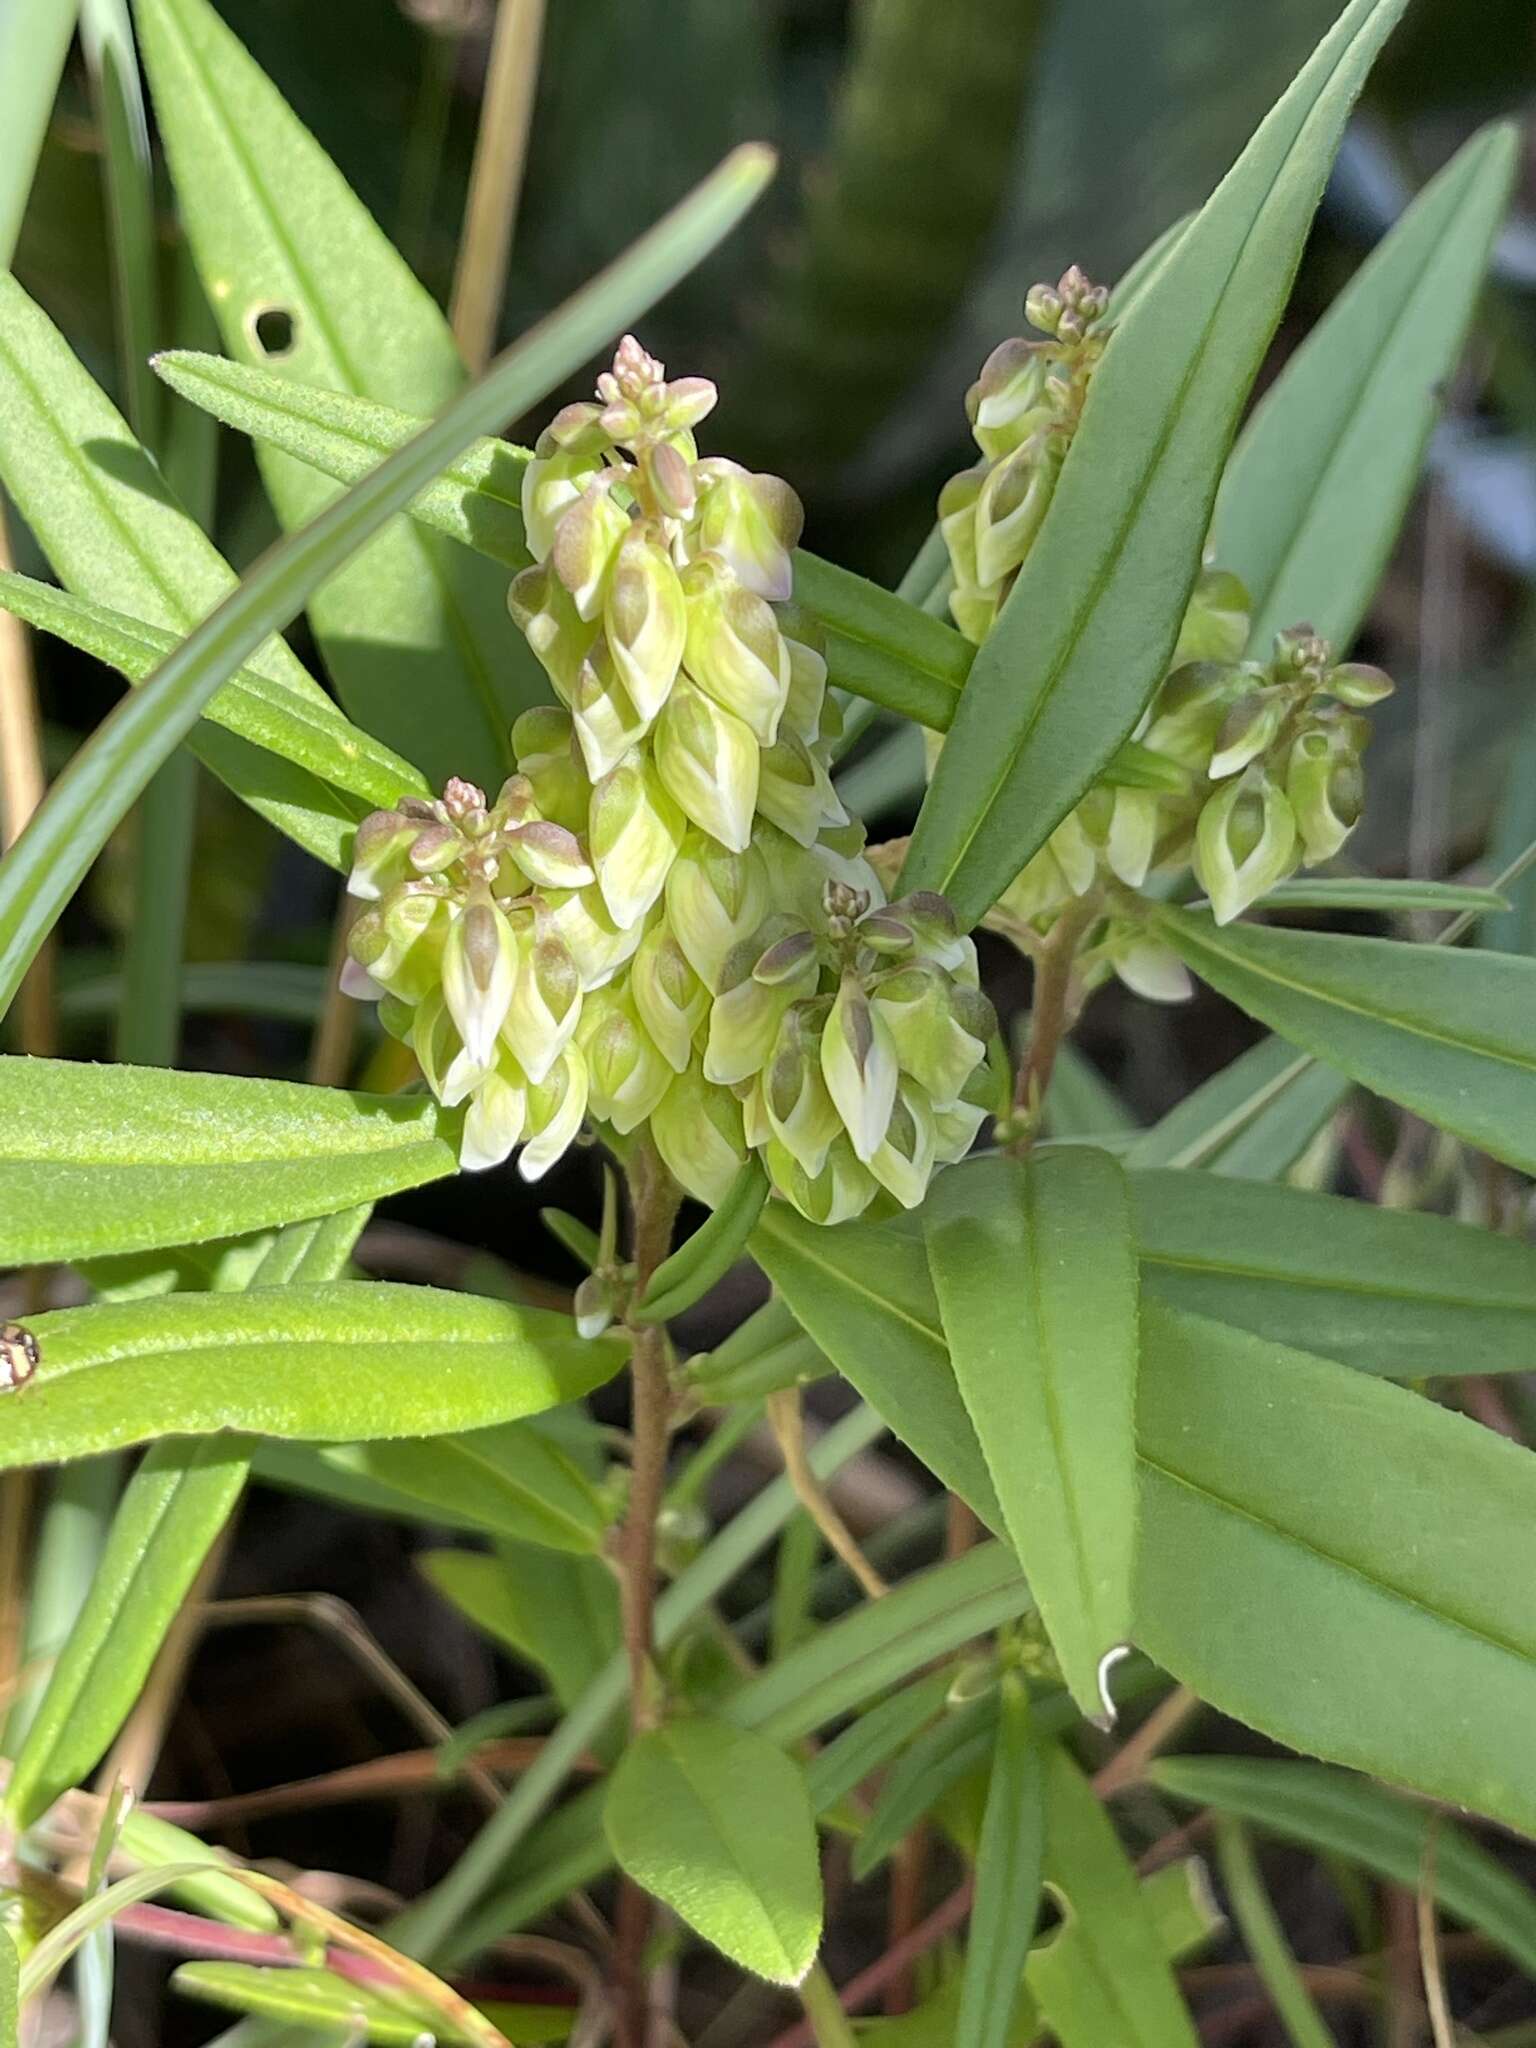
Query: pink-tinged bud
[903,1164]
[608,721]
[1008,402]
[355,981]
[698,1132]
[546,1003]
[379,853]
[575,429]
[1245,842]
[715,899]
[688,400]
[436,848]
[1249,729]
[552,482]
[671,1000]
[669,479]
[495,1119]
[645,618]
[549,856]
[795,791]
[556,1106]
[750,522]
[842,1190]
[545,613]
[1013,503]
[788,959]
[859,1063]
[934,928]
[735,650]
[586,542]
[581,919]
[635,831]
[479,975]
[400,944]
[708,760]
[798,1108]
[627,1074]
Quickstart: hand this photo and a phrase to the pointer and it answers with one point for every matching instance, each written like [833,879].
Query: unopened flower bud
[594,1305]
[400,944]
[745,1016]
[608,720]
[1358,684]
[495,1119]
[750,522]
[1131,839]
[479,975]
[645,618]
[939,1029]
[1301,651]
[795,1099]
[1326,790]
[708,760]
[546,1003]
[715,899]
[379,853]
[586,542]
[698,1132]
[957,522]
[549,856]
[635,832]
[1011,507]
[438,1048]
[671,1000]
[795,791]
[860,1066]
[806,701]
[1245,842]
[1043,307]
[842,1190]
[1007,403]
[544,743]
[1189,709]
[669,478]
[735,649]
[545,612]
[627,1075]
[552,482]
[1148,968]
[556,1106]
[903,1161]
[936,933]
[1216,620]
[582,921]
[1249,729]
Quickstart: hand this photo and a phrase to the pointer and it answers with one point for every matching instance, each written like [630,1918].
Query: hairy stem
[654,1199]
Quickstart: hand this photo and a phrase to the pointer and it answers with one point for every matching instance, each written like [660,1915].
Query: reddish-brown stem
[1051,1014]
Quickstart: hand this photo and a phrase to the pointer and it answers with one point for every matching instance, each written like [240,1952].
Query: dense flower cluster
[1243,770]
[665,918]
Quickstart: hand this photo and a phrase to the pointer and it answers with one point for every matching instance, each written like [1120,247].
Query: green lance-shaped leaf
[1407,1296]
[53,854]
[1114,1982]
[1250,1121]
[1297,1521]
[325,2003]
[119,1159]
[1009,1862]
[716,1822]
[1264,1938]
[1344,1815]
[1034,1268]
[1317,486]
[959,1744]
[116,536]
[313,736]
[559,1614]
[301,280]
[1448,1033]
[878,646]
[170,1512]
[318,1362]
[1088,629]
[1376,892]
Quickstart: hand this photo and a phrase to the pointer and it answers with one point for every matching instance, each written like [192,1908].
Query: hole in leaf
[273,330]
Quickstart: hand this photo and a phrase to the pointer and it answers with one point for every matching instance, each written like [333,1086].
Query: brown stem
[654,1199]
[1052,1011]
[787,1421]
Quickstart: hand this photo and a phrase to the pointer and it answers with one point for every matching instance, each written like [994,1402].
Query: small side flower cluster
[1243,770]
[665,918]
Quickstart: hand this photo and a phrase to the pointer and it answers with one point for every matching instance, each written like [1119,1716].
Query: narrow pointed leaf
[319,2001]
[317,1361]
[1087,631]
[1448,1033]
[119,1159]
[689,1273]
[716,1822]
[170,1512]
[415,634]
[1034,1268]
[1264,1938]
[1318,484]
[1252,1120]
[1009,1863]
[960,1743]
[1113,1981]
[1344,1815]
